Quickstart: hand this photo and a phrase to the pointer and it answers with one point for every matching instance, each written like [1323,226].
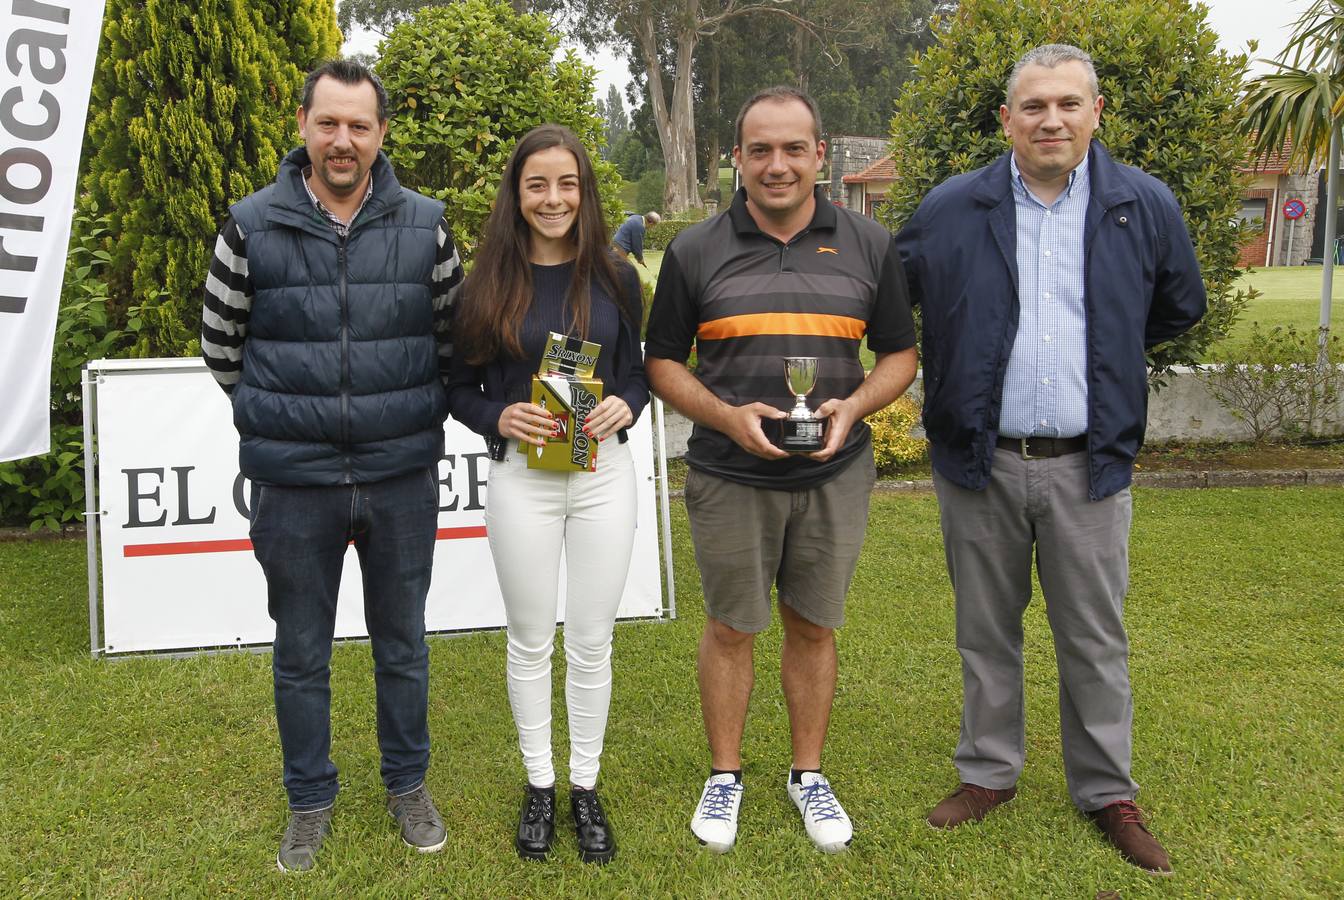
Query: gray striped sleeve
[445,282]
[228,304]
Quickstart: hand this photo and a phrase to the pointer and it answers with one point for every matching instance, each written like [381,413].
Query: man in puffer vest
[326,323]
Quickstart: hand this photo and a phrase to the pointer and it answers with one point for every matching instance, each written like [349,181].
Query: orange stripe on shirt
[813,324]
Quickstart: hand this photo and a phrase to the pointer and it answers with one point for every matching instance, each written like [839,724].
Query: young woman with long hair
[545,265]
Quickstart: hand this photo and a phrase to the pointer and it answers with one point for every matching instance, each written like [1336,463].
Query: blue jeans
[300,535]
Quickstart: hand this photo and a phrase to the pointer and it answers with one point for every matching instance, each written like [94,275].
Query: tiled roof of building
[882,170]
[1270,162]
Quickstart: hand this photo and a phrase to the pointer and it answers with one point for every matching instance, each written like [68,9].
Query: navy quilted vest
[340,381]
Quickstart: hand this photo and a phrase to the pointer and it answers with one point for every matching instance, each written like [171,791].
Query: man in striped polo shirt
[781,273]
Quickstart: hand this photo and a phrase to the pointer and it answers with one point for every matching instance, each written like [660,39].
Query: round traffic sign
[1294,209]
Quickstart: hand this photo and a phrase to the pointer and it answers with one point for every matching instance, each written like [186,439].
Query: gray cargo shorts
[805,542]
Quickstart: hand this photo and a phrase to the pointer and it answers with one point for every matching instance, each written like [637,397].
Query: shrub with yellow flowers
[894,447]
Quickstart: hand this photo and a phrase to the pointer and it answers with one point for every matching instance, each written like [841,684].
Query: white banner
[44,96]
[177,568]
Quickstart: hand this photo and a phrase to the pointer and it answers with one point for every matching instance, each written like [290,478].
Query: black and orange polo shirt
[745,301]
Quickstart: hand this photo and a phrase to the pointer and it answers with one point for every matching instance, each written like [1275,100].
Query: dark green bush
[1171,109]
[660,235]
[632,159]
[649,191]
[464,82]
[192,107]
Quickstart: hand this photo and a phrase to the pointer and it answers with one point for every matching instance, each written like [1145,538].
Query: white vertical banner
[49,51]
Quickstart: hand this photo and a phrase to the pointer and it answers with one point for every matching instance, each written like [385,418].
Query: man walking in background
[326,322]
[782,273]
[629,238]
[1044,278]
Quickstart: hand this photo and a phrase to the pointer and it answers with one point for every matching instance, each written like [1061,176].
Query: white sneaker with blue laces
[823,817]
[715,821]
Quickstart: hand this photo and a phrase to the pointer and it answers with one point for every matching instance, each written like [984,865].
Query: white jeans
[530,515]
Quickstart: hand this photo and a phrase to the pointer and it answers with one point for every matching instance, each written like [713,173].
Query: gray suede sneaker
[421,825]
[303,838]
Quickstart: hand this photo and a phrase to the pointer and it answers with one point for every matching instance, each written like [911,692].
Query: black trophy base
[801,435]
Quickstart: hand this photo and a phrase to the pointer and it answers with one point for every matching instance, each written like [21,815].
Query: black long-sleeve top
[477,395]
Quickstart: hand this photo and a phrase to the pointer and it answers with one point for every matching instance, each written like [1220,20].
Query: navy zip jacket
[340,378]
[1142,287]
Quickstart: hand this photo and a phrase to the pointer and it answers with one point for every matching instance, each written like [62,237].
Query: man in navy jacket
[1043,278]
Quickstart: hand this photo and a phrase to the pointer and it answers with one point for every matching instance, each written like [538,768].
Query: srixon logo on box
[582,401]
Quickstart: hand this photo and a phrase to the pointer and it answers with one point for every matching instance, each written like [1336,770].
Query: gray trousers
[1082,558]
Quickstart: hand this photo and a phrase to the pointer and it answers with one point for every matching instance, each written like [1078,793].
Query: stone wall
[849,156]
[1301,187]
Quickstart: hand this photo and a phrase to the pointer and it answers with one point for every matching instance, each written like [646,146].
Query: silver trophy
[802,431]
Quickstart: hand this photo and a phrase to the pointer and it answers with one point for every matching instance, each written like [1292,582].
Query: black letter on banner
[32,9]
[24,156]
[36,42]
[474,480]
[240,497]
[12,261]
[134,496]
[184,503]
[22,130]
[447,481]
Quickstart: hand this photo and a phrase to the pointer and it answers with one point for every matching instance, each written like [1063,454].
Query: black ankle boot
[597,843]
[536,824]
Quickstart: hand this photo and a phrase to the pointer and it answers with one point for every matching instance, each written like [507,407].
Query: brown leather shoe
[968,803]
[1123,824]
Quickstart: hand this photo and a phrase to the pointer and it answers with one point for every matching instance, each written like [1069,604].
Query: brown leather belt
[1043,447]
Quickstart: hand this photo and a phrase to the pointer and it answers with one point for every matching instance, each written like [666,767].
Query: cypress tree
[192,108]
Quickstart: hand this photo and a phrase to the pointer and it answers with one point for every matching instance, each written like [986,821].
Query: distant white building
[868,188]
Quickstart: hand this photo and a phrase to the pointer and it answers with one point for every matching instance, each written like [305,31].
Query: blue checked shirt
[1045,386]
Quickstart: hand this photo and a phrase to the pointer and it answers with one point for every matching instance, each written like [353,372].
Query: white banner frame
[153,524]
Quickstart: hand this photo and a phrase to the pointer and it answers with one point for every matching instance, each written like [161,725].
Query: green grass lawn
[726,183]
[160,777]
[653,263]
[1290,295]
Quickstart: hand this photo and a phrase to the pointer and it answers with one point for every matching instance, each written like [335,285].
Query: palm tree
[1303,102]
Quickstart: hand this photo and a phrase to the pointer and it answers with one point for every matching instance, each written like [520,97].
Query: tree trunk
[800,41]
[675,122]
[715,115]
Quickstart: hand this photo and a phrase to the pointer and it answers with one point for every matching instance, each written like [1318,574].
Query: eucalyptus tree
[664,38]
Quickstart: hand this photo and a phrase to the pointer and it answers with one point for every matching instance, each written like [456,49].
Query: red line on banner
[179,547]
[454,534]
[185,547]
